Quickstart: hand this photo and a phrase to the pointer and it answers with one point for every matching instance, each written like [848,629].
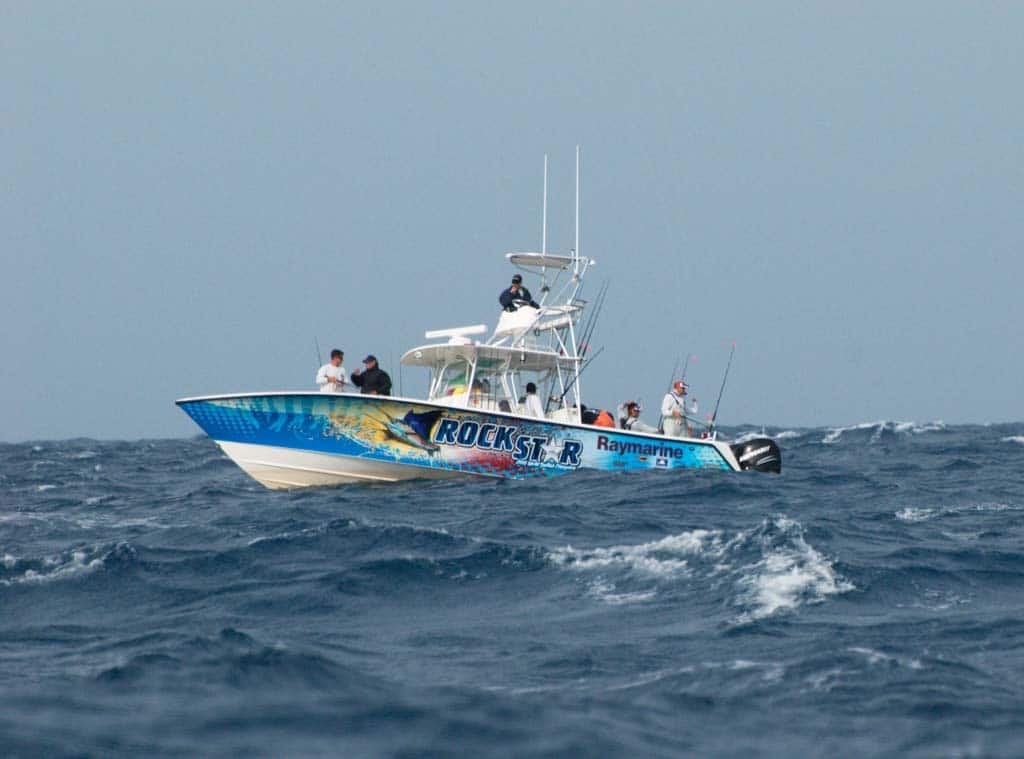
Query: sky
[195,193]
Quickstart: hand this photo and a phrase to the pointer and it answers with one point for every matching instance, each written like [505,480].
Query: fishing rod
[319,361]
[585,331]
[711,422]
[591,323]
[582,369]
[675,368]
[687,365]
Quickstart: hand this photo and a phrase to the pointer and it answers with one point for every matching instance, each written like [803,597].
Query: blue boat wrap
[419,434]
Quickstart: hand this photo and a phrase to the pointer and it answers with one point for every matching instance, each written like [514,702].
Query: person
[516,292]
[587,415]
[479,391]
[604,419]
[372,381]
[533,404]
[331,376]
[673,411]
[629,418]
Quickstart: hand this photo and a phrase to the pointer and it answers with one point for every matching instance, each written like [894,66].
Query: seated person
[513,297]
[629,418]
[587,415]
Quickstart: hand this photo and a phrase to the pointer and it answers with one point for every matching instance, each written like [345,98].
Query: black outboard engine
[760,454]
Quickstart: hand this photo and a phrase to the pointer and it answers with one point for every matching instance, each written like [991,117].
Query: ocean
[868,601]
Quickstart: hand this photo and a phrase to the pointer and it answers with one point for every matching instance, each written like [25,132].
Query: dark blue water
[868,601]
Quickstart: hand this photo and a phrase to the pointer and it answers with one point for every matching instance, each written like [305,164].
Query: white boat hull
[286,468]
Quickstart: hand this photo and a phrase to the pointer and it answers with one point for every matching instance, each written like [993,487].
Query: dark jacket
[373,381]
[507,298]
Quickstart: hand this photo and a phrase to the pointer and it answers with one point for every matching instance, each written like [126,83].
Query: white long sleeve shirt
[330,370]
[673,402]
[533,406]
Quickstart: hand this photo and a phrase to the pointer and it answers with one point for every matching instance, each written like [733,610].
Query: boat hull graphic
[288,440]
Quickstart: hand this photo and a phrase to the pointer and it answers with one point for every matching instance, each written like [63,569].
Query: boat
[473,420]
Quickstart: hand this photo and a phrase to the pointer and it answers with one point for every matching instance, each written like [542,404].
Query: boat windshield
[452,380]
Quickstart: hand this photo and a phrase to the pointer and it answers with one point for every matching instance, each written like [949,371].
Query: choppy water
[868,601]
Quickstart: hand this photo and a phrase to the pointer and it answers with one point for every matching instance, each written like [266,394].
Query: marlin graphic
[413,429]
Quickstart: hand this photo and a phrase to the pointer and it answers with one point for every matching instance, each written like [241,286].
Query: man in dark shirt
[372,381]
[516,295]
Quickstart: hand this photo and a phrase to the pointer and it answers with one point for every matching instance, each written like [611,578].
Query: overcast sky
[193,191]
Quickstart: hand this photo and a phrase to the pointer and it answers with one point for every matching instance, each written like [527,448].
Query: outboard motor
[760,454]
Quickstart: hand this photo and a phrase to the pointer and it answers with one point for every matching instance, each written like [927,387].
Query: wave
[923,514]
[63,566]
[749,435]
[238,659]
[881,428]
[659,558]
[1014,439]
[772,568]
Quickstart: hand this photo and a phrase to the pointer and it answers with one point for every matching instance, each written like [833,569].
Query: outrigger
[473,420]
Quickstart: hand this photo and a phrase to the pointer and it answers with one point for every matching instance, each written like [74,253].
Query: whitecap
[916,428]
[605,591]
[788,576]
[880,427]
[921,514]
[786,573]
[877,657]
[837,432]
[56,568]
[1014,439]
[746,437]
[661,558]
[44,488]
[911,514]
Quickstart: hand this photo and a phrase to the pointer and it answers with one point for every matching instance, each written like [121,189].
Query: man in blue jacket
[516,295]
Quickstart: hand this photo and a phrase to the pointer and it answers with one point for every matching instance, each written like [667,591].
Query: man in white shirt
[331,376]
[673,411]
[533,405]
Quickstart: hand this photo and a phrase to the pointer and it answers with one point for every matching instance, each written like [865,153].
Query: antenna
[576,251]
[544,223]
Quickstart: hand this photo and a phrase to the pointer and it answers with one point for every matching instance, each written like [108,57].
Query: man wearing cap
[629,418]
[372,381]
[673,411]
[516,295]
